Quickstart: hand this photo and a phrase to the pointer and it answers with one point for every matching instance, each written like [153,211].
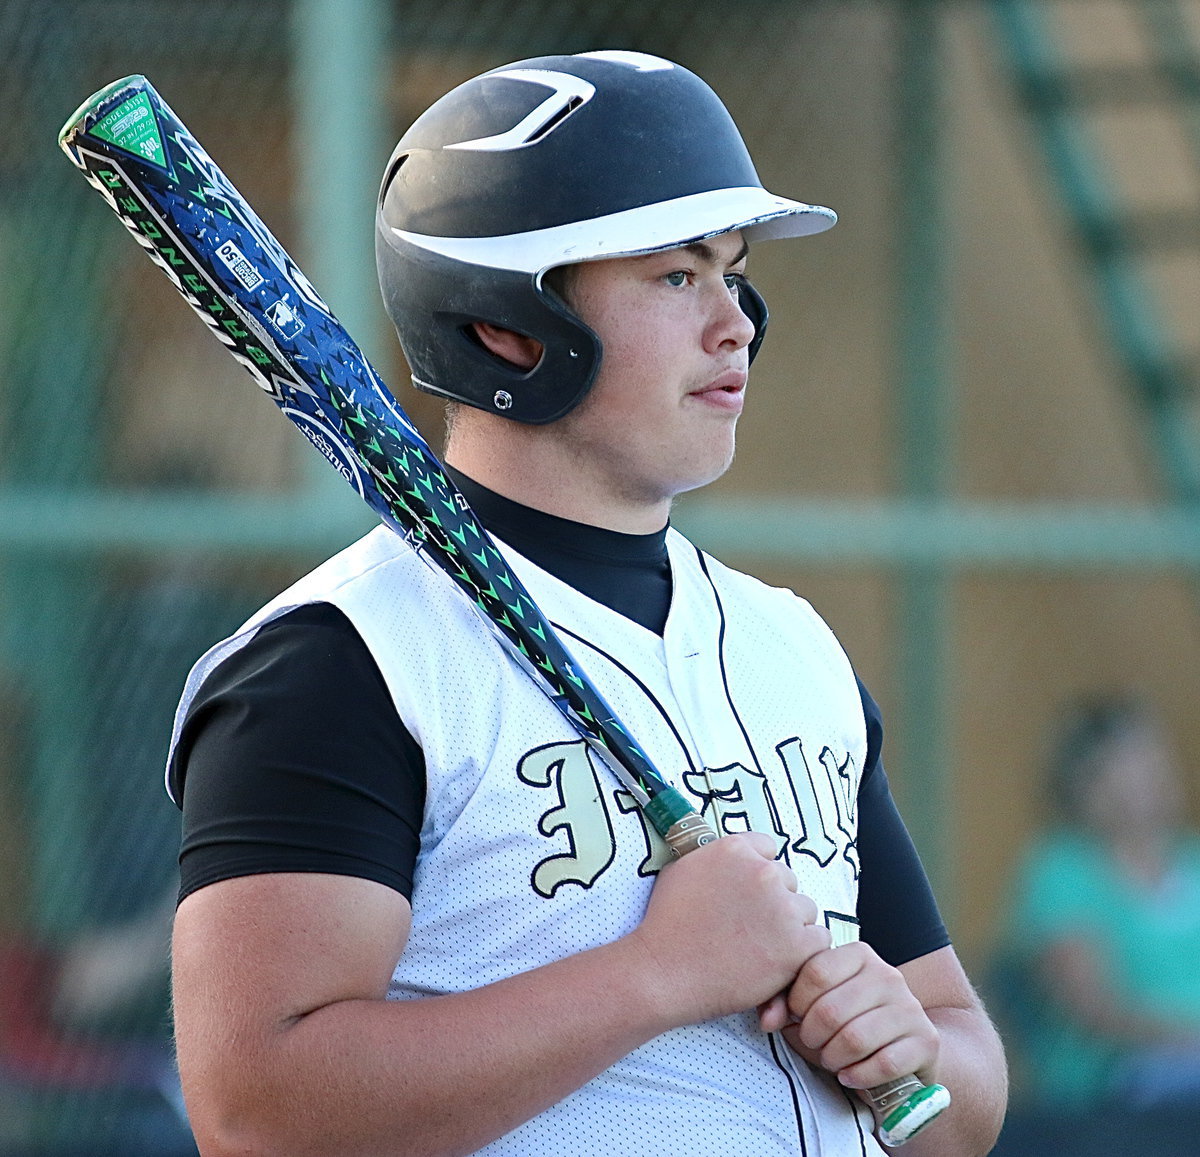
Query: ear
[521,351]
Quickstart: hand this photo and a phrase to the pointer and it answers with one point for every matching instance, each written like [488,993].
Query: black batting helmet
[548,162]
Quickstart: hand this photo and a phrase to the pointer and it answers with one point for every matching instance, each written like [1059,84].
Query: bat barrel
[229,267]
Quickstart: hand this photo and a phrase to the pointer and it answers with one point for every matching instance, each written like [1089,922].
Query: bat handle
[688,834]
[904,1107]
[677,821]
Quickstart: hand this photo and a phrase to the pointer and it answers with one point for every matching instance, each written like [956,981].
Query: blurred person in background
[1103,944]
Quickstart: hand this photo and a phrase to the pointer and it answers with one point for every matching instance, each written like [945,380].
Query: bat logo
[284,318]
[240,265]
[330,446]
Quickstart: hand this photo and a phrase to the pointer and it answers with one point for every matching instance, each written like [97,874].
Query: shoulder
[750,592]
[386,589]
[377,556]
[312,643]
[331,582]
[291,677]
[1188,853]
[774,622]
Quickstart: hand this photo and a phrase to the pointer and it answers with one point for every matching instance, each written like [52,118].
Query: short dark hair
[1087,731]
[561,280]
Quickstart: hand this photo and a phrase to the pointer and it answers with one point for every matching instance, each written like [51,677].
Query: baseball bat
[227,265]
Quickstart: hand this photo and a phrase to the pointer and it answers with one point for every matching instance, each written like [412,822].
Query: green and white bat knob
[904,1107]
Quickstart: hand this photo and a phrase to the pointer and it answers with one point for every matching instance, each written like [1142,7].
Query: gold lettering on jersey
[814,818]
[579,815]
[819,803]
[738,800]
[809,807]
[658,852]
[843,929]
[844,784]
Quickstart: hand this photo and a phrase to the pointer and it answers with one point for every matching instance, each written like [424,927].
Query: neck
[1144,856]
[520,464]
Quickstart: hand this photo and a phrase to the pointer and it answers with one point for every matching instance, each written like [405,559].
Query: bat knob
[905,1107]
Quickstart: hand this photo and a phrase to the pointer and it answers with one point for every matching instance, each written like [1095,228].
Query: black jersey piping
[721,662]
[790,1077]
[857,1108]
[650,696]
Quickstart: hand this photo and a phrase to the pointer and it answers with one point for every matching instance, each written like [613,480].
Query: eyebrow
[706,252]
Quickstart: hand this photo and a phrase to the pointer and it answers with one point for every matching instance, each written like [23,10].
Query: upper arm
[254,954]
[898,914]
[939,981]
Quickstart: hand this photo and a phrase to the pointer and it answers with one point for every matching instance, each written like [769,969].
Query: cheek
[637,371]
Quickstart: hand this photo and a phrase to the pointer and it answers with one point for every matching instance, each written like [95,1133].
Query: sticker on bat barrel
[133,128]
[239,265]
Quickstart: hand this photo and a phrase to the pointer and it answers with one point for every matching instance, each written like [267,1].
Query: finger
[773,1014]
[886,1064]
[874,989]
[875,1035]
[762,843]
[822,973]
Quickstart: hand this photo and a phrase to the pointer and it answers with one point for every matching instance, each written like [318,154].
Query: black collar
[629,573]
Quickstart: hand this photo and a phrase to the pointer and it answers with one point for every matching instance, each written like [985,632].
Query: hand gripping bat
[197,228]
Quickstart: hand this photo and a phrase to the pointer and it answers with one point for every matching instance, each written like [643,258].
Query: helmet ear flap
[755,308]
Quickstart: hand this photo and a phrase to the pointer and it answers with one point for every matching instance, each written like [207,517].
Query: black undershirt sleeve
[897,913]
[270,787]
[293,759]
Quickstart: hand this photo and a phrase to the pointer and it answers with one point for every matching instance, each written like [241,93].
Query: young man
[417,915]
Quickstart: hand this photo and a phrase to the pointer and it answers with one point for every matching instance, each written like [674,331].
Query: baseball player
[417,914]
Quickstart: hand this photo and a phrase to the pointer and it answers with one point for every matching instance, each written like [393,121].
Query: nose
[729,327]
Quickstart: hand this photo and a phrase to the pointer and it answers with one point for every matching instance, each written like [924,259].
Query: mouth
[726,391]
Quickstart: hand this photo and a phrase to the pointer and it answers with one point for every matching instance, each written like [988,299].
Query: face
[1137,788]
[661,416]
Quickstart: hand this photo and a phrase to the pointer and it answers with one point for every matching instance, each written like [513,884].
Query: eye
[676,278]
[732,281]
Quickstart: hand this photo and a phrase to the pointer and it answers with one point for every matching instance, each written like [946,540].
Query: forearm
[441,1075]
[971,1064]
[286,1045]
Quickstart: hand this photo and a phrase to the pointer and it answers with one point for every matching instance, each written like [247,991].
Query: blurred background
[971,441]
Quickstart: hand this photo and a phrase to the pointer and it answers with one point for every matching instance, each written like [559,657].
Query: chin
[702,476]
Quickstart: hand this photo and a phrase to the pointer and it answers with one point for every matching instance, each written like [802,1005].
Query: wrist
[651,986]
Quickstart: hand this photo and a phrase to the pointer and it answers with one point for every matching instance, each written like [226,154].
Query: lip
[727,391]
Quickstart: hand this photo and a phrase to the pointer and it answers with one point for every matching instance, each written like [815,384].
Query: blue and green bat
[229,267]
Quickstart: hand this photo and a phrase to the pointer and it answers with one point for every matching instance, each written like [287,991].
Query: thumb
[773,1014]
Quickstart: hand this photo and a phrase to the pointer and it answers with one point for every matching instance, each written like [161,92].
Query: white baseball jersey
[531,850]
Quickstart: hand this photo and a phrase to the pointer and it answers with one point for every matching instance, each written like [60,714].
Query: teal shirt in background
[1147,941]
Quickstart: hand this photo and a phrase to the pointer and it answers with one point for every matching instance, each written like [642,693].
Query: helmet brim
[761,216]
